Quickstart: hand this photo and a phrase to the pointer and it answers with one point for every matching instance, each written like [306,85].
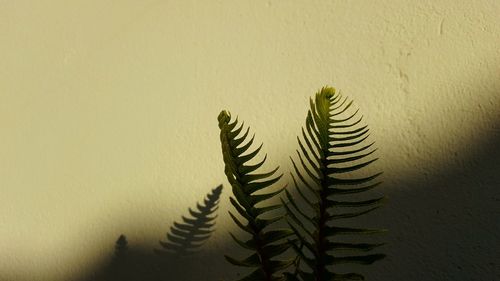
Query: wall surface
[108,123]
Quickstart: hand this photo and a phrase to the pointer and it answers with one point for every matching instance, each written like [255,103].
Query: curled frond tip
[327,91]
[223,118]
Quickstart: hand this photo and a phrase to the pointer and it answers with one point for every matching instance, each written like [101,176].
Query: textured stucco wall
[108,122]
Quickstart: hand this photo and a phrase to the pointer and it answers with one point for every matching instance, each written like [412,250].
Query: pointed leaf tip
[223,118]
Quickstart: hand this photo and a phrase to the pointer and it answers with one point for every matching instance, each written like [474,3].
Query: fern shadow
[127,264]
[182,247]
[187,237]
[443,225]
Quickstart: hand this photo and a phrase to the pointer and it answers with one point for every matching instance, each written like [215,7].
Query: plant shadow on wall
[310,245]
[444,226]
[183,241]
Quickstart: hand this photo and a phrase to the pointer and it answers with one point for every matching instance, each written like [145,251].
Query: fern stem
[264,262]
[323,218]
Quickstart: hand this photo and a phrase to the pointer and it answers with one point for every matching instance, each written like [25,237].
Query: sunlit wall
[108,116]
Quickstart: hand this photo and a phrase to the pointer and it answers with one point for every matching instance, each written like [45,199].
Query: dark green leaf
[363,203]
[352,246]
[251,261]
[332,230]
[367,259]
[336,181]
[350,215]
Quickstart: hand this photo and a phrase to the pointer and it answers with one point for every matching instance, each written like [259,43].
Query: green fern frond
[187,237]
[249,189]
[331,150]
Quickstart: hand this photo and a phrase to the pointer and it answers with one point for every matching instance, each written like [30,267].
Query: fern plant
[250,190]
[185,238]
[333,145]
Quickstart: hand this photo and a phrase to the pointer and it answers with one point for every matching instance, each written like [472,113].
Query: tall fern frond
[333,148]
[250,189]
[187,237]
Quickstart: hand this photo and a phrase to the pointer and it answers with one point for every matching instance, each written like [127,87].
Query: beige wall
[108,117]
